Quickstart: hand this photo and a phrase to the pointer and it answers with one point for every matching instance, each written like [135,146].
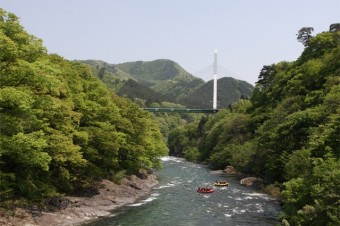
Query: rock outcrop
[251,181]
[83,209]
[230,170]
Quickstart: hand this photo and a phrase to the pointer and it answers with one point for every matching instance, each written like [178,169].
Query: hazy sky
[247,33]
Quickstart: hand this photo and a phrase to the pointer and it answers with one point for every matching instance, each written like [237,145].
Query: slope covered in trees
[161,77]
[287,133]
[229,91]
[61,127]
[147,82]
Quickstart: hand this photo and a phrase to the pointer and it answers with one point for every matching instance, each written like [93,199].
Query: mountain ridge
[165,80]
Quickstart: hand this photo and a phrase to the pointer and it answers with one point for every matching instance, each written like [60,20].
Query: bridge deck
[181,110]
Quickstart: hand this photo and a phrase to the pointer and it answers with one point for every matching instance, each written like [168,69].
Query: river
[175,201]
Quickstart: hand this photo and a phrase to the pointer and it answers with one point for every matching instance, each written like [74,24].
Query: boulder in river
[230,170]
[251,181]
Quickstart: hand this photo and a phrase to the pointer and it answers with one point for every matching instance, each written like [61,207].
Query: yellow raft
[222,183]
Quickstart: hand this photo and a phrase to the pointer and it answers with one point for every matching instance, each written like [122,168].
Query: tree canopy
[304,35]
[61,127]
[287,133]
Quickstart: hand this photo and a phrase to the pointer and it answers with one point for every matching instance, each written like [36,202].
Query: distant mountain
[165,80]
[155,81]
[163,76]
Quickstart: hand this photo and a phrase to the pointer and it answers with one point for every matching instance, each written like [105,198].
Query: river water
[175,201]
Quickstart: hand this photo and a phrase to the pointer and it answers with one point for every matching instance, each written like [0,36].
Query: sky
[247,34]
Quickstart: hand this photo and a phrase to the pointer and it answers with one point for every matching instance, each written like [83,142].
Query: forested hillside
[158,81]
[152,81]
[287,133]
[229,91]
[61,127]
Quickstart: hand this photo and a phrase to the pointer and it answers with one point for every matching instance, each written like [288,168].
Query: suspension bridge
[205,74]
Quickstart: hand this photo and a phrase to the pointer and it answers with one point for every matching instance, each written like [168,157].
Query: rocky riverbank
[257,183]
[79,210]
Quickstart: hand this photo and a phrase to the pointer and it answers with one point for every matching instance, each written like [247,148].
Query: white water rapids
[175,201]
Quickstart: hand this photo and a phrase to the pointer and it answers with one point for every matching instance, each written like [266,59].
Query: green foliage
[62,128]
[272,189]
[298,164]
[27,150]
[304,35]
[119,176]
[314,199]
[288,133]
[170,121]
[183,138]
[192,154]
[242,157]
[225,135]
[266,76]
[319,45]
[334,27]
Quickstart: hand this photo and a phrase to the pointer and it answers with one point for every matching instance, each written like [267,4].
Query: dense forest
[61,127]
[287,133]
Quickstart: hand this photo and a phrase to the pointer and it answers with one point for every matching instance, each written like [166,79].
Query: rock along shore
[84,209]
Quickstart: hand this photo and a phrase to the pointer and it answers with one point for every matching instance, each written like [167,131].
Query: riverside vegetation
[287,132]
[63,129]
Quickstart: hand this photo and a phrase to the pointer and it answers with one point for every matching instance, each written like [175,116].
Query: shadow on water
[175,201]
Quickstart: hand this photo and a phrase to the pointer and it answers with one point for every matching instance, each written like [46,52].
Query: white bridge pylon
[215,80]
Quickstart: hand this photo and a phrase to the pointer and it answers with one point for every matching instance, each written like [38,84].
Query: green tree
[288,133]
[334,27]
[314,199]
[304,35]
[61,127]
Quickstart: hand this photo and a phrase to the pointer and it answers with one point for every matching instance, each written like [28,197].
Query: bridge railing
[181,110]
